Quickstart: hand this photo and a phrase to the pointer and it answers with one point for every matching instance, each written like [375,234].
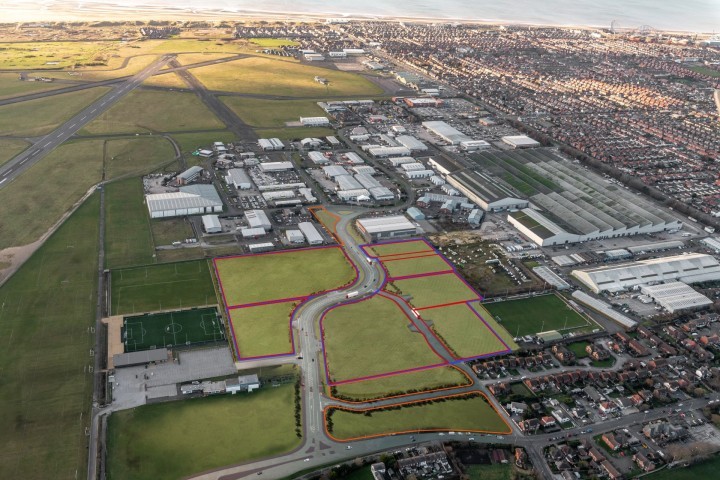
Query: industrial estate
[358,249]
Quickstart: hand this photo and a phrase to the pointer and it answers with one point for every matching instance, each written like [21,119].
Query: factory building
[411,143]
[355,195]
[238,178]
[450,134]
[270,144]
[423,102]
[474,145]
[443,166]
[397,161]
[314,57]
[252,232]
[189,200]
[337,54]
[409,167]
[311,234]
[520,141]
[318,158]
[333,171]
[332,141]
[295,237]
[676,296]
[189,175]
[381,193]
[476,216]
[691,268]
[384,152]
[211,224]
[276,166]
[367,181]
[386,228]
[364,169]
[488,194]
[415,174]
[347,182]
[353,158]
[311,142]
[261,247]
[415,214]
[314,121]
[258,219]
[353,51]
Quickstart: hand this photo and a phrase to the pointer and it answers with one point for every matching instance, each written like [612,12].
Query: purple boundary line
[267,302]
[488,325]
[290,332]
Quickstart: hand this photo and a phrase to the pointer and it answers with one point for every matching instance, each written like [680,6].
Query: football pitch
[172,329]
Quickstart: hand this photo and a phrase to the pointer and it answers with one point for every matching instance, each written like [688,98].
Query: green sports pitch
[172,329]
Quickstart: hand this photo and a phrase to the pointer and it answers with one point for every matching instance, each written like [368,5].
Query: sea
[702,16]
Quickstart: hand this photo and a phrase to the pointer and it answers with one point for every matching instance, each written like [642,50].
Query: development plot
[398,248]
[435,290]
[357,335]
[263,330]
[172,329]
[128,240]
[167,441]
[295,274]
[272,113]
[532,315]
[162,287]
[463,332]
[403,266]
[465,412]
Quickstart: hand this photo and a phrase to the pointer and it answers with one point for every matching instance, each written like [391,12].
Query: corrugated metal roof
[191,196]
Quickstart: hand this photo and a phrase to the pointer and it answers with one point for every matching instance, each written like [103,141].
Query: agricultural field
[413,247]
[402,266]
[260,113]
[463,332]
[285,275]
[162,287]
[424,380]
[357,334]
[137,155]
[10,147]
[172,329]
[167,441]
[128,240]
[12,86]
[43,115]
[263,330]
[282,77]
[435,290]
[155,111]
[532,315]
[463,413]
[48,308]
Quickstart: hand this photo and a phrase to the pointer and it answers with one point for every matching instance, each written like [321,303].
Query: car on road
[306,460]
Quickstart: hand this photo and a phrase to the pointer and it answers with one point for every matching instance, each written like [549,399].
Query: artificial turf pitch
[172,329]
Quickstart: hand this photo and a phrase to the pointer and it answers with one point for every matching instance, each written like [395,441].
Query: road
[13,168]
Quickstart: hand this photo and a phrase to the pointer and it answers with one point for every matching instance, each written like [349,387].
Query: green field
[398,384]
[273,42]
[529,316]
[172,329]
[292,274]
[272,113]
[383,250]
[168,230]
[168,441]
[415,266]
[462,331]
[9,147]
[128,240]
[155,111]
[39,55]
[47,309]
[167,80]
[707,469]
[435,290]
[490,472]
[490,320]
[282,77]
[11,86]
[43,115]
[162,287]
[137,155]
[358,334]
[263,330]
[292,133]
[462,414]
[578,348]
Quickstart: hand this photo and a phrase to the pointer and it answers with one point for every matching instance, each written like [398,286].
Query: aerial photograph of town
[313,240]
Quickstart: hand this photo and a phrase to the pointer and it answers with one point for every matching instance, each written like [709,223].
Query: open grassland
[273,42]
[706,469]
[424,380]
[31,204]
[137,155]
[166,80]
[155,111]
[43,115]
[298,273]
[328,219]
[462,413]
[463,331]
[177,439]
[263,330]
[282,77]
[128,240]
[45,392]
[186,59]
[167,231]
[358,334]
[490,472]
[435,290]
[52,55]
[499,329]
[12,86]
[191,45]
[294,133]
[529,316]
[10,147]
[382,250]
[162,287]
[401,267]
[272,113]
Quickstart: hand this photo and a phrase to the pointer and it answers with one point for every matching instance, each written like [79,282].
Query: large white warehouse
[691,268]
[238,178]
[450,134]
[385,228]
[189,200]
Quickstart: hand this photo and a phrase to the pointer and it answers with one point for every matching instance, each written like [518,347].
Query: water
[685,15]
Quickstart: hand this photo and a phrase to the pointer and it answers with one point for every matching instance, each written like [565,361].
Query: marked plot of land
[435,290]
[372,337]
[416,265]
[263,330]
[172,329]
[398,248]
[463,332]
[283,275]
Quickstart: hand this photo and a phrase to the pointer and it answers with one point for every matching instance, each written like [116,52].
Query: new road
[46,144]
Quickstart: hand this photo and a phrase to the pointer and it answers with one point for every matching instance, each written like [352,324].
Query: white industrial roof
[445,131]
[310,232]
[257,218]
[190,172]
[252,232]
[675,296]
[411,142]
[520,141]
[238,176]
[603,308]
[389,151]
[318,157]
[191,196]
[367,181]
[353,158]
[333,171]
[381,193]
[386,224]
[347,182]
[211,222]
[276,166]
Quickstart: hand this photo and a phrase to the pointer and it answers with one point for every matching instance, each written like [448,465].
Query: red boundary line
[421,275]
[446,304]
[432,254]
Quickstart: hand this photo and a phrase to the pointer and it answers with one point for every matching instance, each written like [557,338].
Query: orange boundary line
[333,232]
[381,399]
[386,434]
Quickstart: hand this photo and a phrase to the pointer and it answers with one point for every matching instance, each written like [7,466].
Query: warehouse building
[211,224]
[385,152]
[311,234]
[676,296]
[332,141]
[411,143]
[347,182]
[189,200]
[318,158]
[261,247]
[314,121]
[488,194]
[397,161]
[415,174]
[189,175]
[520,141]
[258,219]
[690,268]
[367,181]
[381,194]
[443,166]
[474,145]
[252,232]
[415,214]
[276,166]
[353,158]
[239,178]
[270,144]
[450,134]
[354,195]
[386,228]
[295,237]
[333,171]
[314,57]
[409,167]
[311,142]
[364,169]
